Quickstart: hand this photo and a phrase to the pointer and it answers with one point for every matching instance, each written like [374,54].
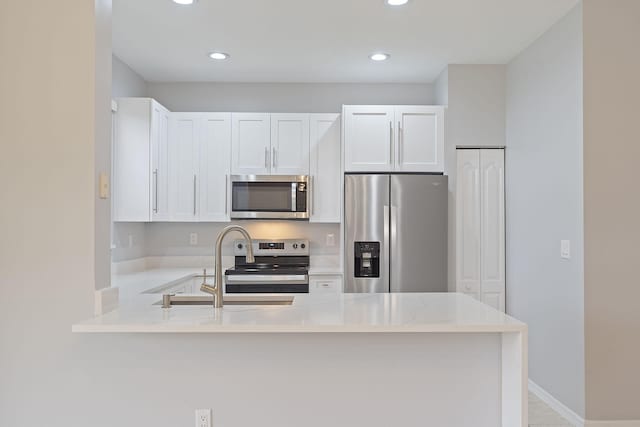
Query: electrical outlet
[130,240]
[193,239]
[331,240]
[203,418]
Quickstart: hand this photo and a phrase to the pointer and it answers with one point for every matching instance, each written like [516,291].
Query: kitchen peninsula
[446,359]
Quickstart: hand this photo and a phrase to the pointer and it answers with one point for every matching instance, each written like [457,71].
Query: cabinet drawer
[325,284]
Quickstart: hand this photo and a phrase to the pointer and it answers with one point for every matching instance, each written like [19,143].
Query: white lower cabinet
[319,284]
[326,191]
[480,225]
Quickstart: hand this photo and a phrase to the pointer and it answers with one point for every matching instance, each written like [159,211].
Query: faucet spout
[216,289]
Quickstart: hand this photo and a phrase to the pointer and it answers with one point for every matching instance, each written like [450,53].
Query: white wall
[612,208]
[127,83]
[47,188]
[544,205]
[172,239]
[284,97]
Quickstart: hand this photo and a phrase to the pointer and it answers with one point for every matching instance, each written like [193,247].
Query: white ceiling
[323,40]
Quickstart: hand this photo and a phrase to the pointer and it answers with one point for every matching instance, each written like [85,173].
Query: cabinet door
[215,163]
[420,140]
[326,191]
[369,138]
[468,223]
[492,252]
[131,162]
[251,144]
[290,144]
[183,163]
[159,162]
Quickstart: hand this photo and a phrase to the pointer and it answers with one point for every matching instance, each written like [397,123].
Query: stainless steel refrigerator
[395,233]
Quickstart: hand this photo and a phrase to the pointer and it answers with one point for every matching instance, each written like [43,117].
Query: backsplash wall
[172,239]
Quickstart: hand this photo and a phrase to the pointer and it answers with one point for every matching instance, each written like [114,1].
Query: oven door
[269,197]
[266,283]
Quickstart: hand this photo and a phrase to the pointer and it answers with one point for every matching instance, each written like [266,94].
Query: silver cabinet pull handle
[266,158]
[194,194]
[155,180]
[392,160]
[310,195]
[275,157]
[226,194]
[400,143]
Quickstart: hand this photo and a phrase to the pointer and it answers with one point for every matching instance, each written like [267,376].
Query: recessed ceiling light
[379,56]
[396,2]
[218,55]
[184,2]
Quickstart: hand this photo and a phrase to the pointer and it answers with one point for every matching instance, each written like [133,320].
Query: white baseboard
[571,416]
[556,405]
[629,423]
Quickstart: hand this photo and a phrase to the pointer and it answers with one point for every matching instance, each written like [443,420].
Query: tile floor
[541,415]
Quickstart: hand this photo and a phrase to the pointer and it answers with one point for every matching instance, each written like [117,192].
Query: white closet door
[468,231]
[492,253]
[215,163]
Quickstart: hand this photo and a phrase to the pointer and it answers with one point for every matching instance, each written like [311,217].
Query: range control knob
[295,246]
[303,246]
[240,246]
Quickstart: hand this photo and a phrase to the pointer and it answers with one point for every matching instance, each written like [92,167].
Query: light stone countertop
[309,313]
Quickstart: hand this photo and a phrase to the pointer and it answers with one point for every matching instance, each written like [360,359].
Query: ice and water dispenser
[367,259]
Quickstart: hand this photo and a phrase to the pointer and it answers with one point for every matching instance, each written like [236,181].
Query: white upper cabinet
[480,225]
[368,138]
[215,163]
[251,144]
[290,144]
[393,138]
[184,166]
[140,174]
[160,162]
[420,139]
[325,168]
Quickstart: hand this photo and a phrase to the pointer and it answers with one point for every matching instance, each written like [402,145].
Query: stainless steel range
[281,266]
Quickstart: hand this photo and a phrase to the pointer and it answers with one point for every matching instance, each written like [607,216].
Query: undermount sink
[230,300]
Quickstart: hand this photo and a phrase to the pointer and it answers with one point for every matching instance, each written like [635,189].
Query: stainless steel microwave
[270,197]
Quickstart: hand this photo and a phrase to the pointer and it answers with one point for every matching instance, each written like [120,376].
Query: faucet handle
[209,288]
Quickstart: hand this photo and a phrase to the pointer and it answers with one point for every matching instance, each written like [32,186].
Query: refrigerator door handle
[394,243]
[386,249]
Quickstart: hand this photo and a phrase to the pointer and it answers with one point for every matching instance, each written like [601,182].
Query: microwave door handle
[294,189]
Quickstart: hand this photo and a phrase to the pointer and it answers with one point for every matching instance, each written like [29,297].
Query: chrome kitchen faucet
[216,289]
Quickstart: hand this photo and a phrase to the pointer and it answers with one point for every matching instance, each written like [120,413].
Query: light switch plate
[104,185]
[331,240]
[565,249]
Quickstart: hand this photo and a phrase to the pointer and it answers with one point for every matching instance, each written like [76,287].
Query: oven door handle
[265,277]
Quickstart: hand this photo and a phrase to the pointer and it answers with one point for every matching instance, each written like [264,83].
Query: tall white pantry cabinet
[480,225]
